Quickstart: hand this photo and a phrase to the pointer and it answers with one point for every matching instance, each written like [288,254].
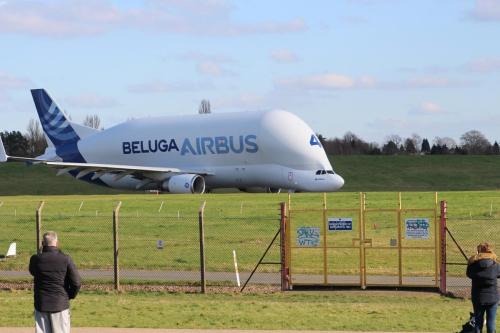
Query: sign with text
[308,236]
[340,224]
[417,228]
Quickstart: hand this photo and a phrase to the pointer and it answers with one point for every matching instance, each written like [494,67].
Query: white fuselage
[273,149]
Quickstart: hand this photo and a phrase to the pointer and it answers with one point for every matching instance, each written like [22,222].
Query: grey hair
[50,238]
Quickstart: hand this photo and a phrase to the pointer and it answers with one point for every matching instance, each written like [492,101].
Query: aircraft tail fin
[12,251]
[54,121]
[3,154]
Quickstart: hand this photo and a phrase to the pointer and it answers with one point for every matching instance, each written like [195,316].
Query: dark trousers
[491,314]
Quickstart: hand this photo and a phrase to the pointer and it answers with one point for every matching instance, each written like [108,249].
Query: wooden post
[442,236]
[362,240]
[38,219]
[116,267]
[203,282]
[400,242]
[285,283]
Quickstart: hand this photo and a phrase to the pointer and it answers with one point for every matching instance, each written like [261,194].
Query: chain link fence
[158,240]
[463,235]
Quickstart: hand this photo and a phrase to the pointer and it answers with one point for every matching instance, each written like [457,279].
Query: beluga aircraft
[273,150]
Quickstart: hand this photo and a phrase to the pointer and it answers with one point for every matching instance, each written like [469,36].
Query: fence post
[283,249]
[400,242]
[38,219]
[442,236]
[116,267]
[201,212]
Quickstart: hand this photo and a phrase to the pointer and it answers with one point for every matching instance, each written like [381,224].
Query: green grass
[19,179]
[418,173]
[349,310]
[242,222]
[362,173]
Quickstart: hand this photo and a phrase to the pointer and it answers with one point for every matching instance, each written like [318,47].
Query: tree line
[471,143]
[33,143]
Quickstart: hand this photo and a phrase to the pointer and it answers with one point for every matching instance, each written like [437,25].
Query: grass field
[349,310]
[419,173]
[362,173]
[242,222]
[246,223]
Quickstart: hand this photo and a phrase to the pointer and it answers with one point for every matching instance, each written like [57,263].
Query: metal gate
[362,246]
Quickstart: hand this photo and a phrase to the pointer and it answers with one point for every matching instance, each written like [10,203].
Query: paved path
[159,330]
[260,278]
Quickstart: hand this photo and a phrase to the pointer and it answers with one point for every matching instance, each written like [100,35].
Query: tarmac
[161,330]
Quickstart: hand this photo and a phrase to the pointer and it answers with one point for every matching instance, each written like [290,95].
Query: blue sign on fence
[340,224]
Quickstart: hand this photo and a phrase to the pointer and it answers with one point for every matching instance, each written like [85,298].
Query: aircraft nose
[337,182]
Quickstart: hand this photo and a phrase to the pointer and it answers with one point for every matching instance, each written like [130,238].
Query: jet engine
[185,183]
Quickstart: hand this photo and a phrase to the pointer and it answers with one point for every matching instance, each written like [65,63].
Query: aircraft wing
[145,173]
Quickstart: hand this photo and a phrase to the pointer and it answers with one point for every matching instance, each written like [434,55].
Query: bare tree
[395,139]
[204,107]
[417,141]
[92,121]
[36,139]
[445,141]
[474,142]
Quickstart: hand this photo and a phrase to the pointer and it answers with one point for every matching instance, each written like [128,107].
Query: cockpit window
[330,172]
[323,172]
[318,172]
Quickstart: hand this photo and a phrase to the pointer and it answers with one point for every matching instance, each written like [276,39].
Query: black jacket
[484,274]
[56,279]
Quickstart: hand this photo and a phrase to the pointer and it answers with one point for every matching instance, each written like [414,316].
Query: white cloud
[91,101]
[159,86]
[485,10]
[210,64]
[319,81]
[483,65]
[210,68]
[334,81]
[428,108]
[12,82]
[284,56]
[57,18]
[429,82]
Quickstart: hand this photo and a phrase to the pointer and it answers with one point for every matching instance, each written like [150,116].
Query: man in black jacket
[484,271]
[56,282]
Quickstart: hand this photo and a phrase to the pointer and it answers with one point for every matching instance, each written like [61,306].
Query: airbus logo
[314,141]
[197,146]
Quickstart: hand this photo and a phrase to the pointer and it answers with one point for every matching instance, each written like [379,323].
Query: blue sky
[372,67]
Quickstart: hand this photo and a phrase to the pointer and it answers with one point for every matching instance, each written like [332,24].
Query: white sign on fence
[308,236]
[417,228]
[340,223]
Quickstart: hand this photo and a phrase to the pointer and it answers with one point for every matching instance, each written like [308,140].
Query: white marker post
[236,268]
[81,205]
[161,206]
